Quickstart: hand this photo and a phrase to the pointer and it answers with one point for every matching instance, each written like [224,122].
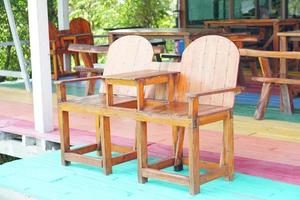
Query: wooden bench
[269,80]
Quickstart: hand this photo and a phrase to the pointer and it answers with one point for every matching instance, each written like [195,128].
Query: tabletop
[166,31]
[254,22]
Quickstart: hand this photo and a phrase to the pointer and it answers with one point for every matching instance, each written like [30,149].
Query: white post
[40,61]
[63,14]
[17,44]
[64,24]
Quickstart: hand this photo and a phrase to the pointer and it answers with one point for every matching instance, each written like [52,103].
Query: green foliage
[124,13]
[101,13]
[8,55]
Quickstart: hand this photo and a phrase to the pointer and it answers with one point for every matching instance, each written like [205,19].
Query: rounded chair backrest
[210,62]
[128,54]
[53,33]
[80,25]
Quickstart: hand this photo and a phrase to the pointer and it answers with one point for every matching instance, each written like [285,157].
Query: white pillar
[63,14]
[40,62]
[64,24]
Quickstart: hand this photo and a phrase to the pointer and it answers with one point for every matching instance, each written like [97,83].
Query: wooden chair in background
[269,80]
[121,58]
[204,94]
[56,51]
[81,33]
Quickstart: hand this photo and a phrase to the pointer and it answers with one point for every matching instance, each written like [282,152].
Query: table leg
[276,45]
[286,104]
[286,100]
[263,101]
[275,37]
[187,41]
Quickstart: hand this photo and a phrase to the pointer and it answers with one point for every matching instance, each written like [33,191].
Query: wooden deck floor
[268,149]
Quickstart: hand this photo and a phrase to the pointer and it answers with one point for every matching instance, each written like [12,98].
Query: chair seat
[91,104]
[180,110]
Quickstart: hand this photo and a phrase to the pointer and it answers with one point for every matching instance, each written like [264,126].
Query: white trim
[64,24]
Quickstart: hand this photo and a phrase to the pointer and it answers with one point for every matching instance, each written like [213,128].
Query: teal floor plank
[44,178]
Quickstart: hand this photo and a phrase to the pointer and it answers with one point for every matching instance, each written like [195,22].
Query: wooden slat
[170,177]
[202,164]
[124,157]
[211,175]
[83,159]
[162,164]
[84,149]
[121,149]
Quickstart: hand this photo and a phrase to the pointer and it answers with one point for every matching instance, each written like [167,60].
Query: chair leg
[142,152]
[228,147]
[194,175]
[263,101]
[64,130]
[90,85]
[253,68]
[178,138]
[98,136]
[106,144]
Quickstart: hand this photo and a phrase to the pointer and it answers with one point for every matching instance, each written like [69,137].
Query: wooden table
[275,24]
[187,34]
[286,104]
[283,38]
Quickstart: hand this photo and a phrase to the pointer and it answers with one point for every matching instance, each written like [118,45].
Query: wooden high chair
[120,59]
[204,94]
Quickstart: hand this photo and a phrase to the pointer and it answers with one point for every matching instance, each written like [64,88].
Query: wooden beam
[40,62]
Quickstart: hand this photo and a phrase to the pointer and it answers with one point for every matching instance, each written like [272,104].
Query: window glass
[294,8]
[244,9]
[199,11]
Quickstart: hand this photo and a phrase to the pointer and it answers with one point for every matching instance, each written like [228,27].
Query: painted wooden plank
[83,182]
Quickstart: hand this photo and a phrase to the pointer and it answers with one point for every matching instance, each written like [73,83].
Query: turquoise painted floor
[44,178]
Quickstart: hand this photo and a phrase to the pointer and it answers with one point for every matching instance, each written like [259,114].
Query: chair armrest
[78,80]
[86,48]
[61,86]
[217,91]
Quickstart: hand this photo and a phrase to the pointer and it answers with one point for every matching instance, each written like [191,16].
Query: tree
[124,13]
[101,13]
